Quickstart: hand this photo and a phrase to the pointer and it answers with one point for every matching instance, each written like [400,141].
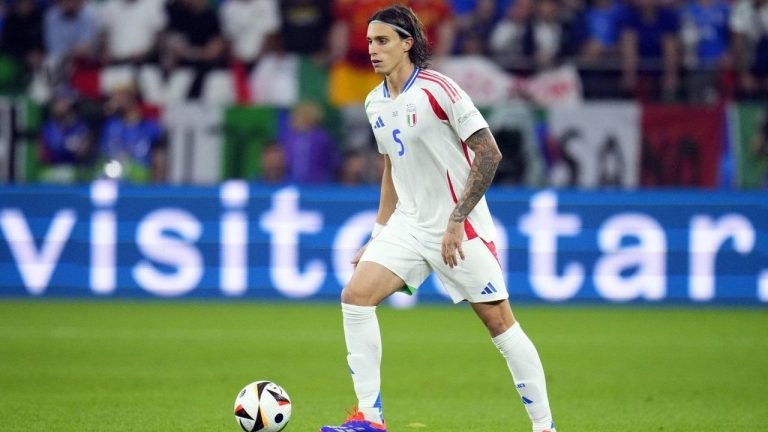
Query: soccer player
[440,159]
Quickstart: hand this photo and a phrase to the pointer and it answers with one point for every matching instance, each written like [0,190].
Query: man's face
[386,48]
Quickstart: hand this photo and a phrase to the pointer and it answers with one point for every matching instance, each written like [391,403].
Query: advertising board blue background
[247,240]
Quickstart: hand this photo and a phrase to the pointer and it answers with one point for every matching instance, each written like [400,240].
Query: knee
[497,327]
[498,324]
[497,317]
[353,296]
[347,297]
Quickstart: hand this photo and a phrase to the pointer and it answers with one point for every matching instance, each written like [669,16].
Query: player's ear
[407,44]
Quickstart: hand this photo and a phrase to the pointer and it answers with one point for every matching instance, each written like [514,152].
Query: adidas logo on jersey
[379,123]
[489,289]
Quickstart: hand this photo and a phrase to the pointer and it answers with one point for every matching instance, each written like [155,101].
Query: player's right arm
[388,199]
[387,202]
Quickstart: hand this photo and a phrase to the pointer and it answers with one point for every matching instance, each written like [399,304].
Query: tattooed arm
[487,157]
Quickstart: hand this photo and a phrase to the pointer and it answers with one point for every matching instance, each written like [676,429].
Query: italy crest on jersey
[410,114]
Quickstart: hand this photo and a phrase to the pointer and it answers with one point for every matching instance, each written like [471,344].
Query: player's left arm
[481,173]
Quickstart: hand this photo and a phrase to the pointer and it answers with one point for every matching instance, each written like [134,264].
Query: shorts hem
[406,289]
[487,299]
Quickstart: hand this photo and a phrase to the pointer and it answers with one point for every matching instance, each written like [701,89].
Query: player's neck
[398,77]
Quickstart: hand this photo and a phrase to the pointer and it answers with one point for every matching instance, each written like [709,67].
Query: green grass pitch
[157,366]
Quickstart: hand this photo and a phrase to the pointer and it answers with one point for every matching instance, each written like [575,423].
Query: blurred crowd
[701,51]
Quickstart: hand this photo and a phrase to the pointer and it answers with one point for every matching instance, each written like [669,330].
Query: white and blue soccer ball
[262,406]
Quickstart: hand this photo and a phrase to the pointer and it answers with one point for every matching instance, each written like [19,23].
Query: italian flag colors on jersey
[423,130]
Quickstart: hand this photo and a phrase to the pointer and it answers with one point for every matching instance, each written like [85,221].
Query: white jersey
[423,131]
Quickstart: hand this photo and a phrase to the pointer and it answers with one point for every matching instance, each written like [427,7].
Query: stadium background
[132,279]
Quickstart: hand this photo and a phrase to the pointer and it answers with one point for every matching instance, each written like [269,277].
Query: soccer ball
[262,406]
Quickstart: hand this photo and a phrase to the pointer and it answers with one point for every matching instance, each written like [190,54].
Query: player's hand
[359,254]
[452,239]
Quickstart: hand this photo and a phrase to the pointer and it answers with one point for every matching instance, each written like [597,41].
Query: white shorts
[477,278]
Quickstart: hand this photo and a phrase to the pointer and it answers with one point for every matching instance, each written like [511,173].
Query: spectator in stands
[130,30]
[506,39]
[547,34]
[602,18]
[310,150]
[193,38]
[353,167]
[65,138]
[22,34]
[474,29]
[599,55]
[462,7]
[132,145]
[273,164]
[749,26]
[250,27]
[439,24]
[305,25]
[705,31]
[534,31]
[705,38]
[71,31]
[650,50]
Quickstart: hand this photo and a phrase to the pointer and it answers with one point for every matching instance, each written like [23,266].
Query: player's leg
[496,316]
[390,263]
[479,280]
[371,283]
[522,360]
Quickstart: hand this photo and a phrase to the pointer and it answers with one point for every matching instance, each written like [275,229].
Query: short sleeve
[461,112]
[467,119]
[368,101]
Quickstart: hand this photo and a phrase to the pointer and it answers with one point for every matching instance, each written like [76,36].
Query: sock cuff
[511,336]
[353,311]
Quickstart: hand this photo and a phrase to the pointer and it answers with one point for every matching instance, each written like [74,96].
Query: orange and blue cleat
[356,422]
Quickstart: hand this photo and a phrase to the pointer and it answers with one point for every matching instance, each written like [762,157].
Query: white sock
[361,331]
[528,374]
